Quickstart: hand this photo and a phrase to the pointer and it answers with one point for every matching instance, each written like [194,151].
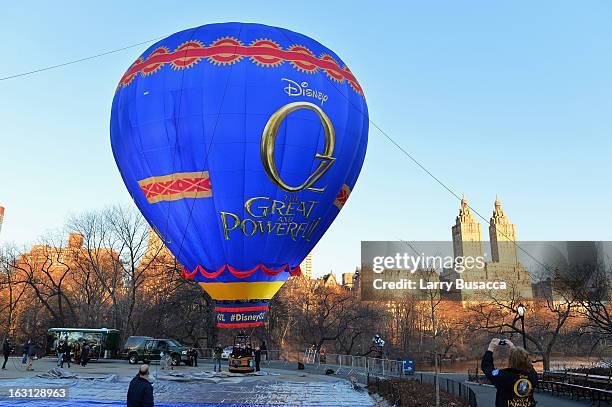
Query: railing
[364,369]
[341,364]
[355,364]
[386,387]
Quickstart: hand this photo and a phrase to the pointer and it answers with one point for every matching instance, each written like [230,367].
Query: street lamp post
[521,314]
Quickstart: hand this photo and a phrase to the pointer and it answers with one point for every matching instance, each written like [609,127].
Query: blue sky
[508,98]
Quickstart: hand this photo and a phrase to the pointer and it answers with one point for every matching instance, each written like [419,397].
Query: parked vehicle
[151,349]
[129,348]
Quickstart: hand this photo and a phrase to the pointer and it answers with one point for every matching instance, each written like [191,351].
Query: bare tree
[46,270]
[543,325]
[10,292]
[127,235]
[331,314]
[433,299]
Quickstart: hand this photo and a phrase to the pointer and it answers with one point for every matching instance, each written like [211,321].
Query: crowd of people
[79,351]
[65,352]
[30,349]
[140,392]
[245,350]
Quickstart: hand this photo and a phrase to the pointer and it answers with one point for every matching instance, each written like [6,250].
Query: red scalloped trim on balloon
[227,50]
[240,325]
[240,274]
[242,309]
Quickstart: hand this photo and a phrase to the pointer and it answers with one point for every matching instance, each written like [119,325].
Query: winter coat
[514,387]
[32,348]
[140,393]
[6,348]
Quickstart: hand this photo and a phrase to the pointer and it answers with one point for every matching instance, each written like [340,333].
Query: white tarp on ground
[198,388]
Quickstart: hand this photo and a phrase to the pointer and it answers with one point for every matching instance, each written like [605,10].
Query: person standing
[32,349]
[193,357]
[217,353]
[25,347]
[60,353]
[257,358]
[85,354]
[77,353]
[515,385]
[264,350]
[66,356]
[140,392]
[6,351]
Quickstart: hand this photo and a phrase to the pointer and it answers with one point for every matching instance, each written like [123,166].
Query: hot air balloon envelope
[240,144]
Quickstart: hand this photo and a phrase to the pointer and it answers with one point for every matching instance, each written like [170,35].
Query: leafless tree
[46,271]
[543,323]
[10,292]
[331,314]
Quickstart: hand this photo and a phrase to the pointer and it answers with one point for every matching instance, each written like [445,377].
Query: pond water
[557,363]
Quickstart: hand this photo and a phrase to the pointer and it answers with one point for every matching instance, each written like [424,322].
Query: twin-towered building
[467,235]
[503,264]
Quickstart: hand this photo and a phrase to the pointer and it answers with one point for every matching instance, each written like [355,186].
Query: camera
[502,342]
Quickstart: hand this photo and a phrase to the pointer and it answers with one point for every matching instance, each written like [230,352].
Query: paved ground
[105,383]
[186,386]
[103,368]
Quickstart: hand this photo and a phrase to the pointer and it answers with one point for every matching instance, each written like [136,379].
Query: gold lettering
[312,205]
[224,216]
[244,227]
[274,210]
[291,228]
[268,140]
[272,226]
[280,230]
[264,209]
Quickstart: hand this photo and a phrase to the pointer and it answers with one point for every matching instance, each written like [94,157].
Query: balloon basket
[241,314]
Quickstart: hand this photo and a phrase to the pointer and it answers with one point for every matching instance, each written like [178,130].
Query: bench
[564,384]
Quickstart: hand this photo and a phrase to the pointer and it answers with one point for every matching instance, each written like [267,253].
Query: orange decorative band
[342,196]
[176,186]
[225,51]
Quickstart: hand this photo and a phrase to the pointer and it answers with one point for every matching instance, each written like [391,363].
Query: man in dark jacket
[66,354]
[140,393]
[257,358]
[515,385]
[194,355]
[85,354]
[6,351]
[217,355]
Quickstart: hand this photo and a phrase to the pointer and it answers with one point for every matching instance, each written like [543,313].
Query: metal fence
[369,371]
[387,388]
[341,364]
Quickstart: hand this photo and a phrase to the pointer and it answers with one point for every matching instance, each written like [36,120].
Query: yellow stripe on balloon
[260,290]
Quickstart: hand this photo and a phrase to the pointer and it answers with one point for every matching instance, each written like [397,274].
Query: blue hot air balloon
[240,144]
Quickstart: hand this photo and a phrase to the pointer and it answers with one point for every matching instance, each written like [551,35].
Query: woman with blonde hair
[516,383]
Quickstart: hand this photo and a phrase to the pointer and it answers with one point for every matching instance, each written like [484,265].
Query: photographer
[515,385]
